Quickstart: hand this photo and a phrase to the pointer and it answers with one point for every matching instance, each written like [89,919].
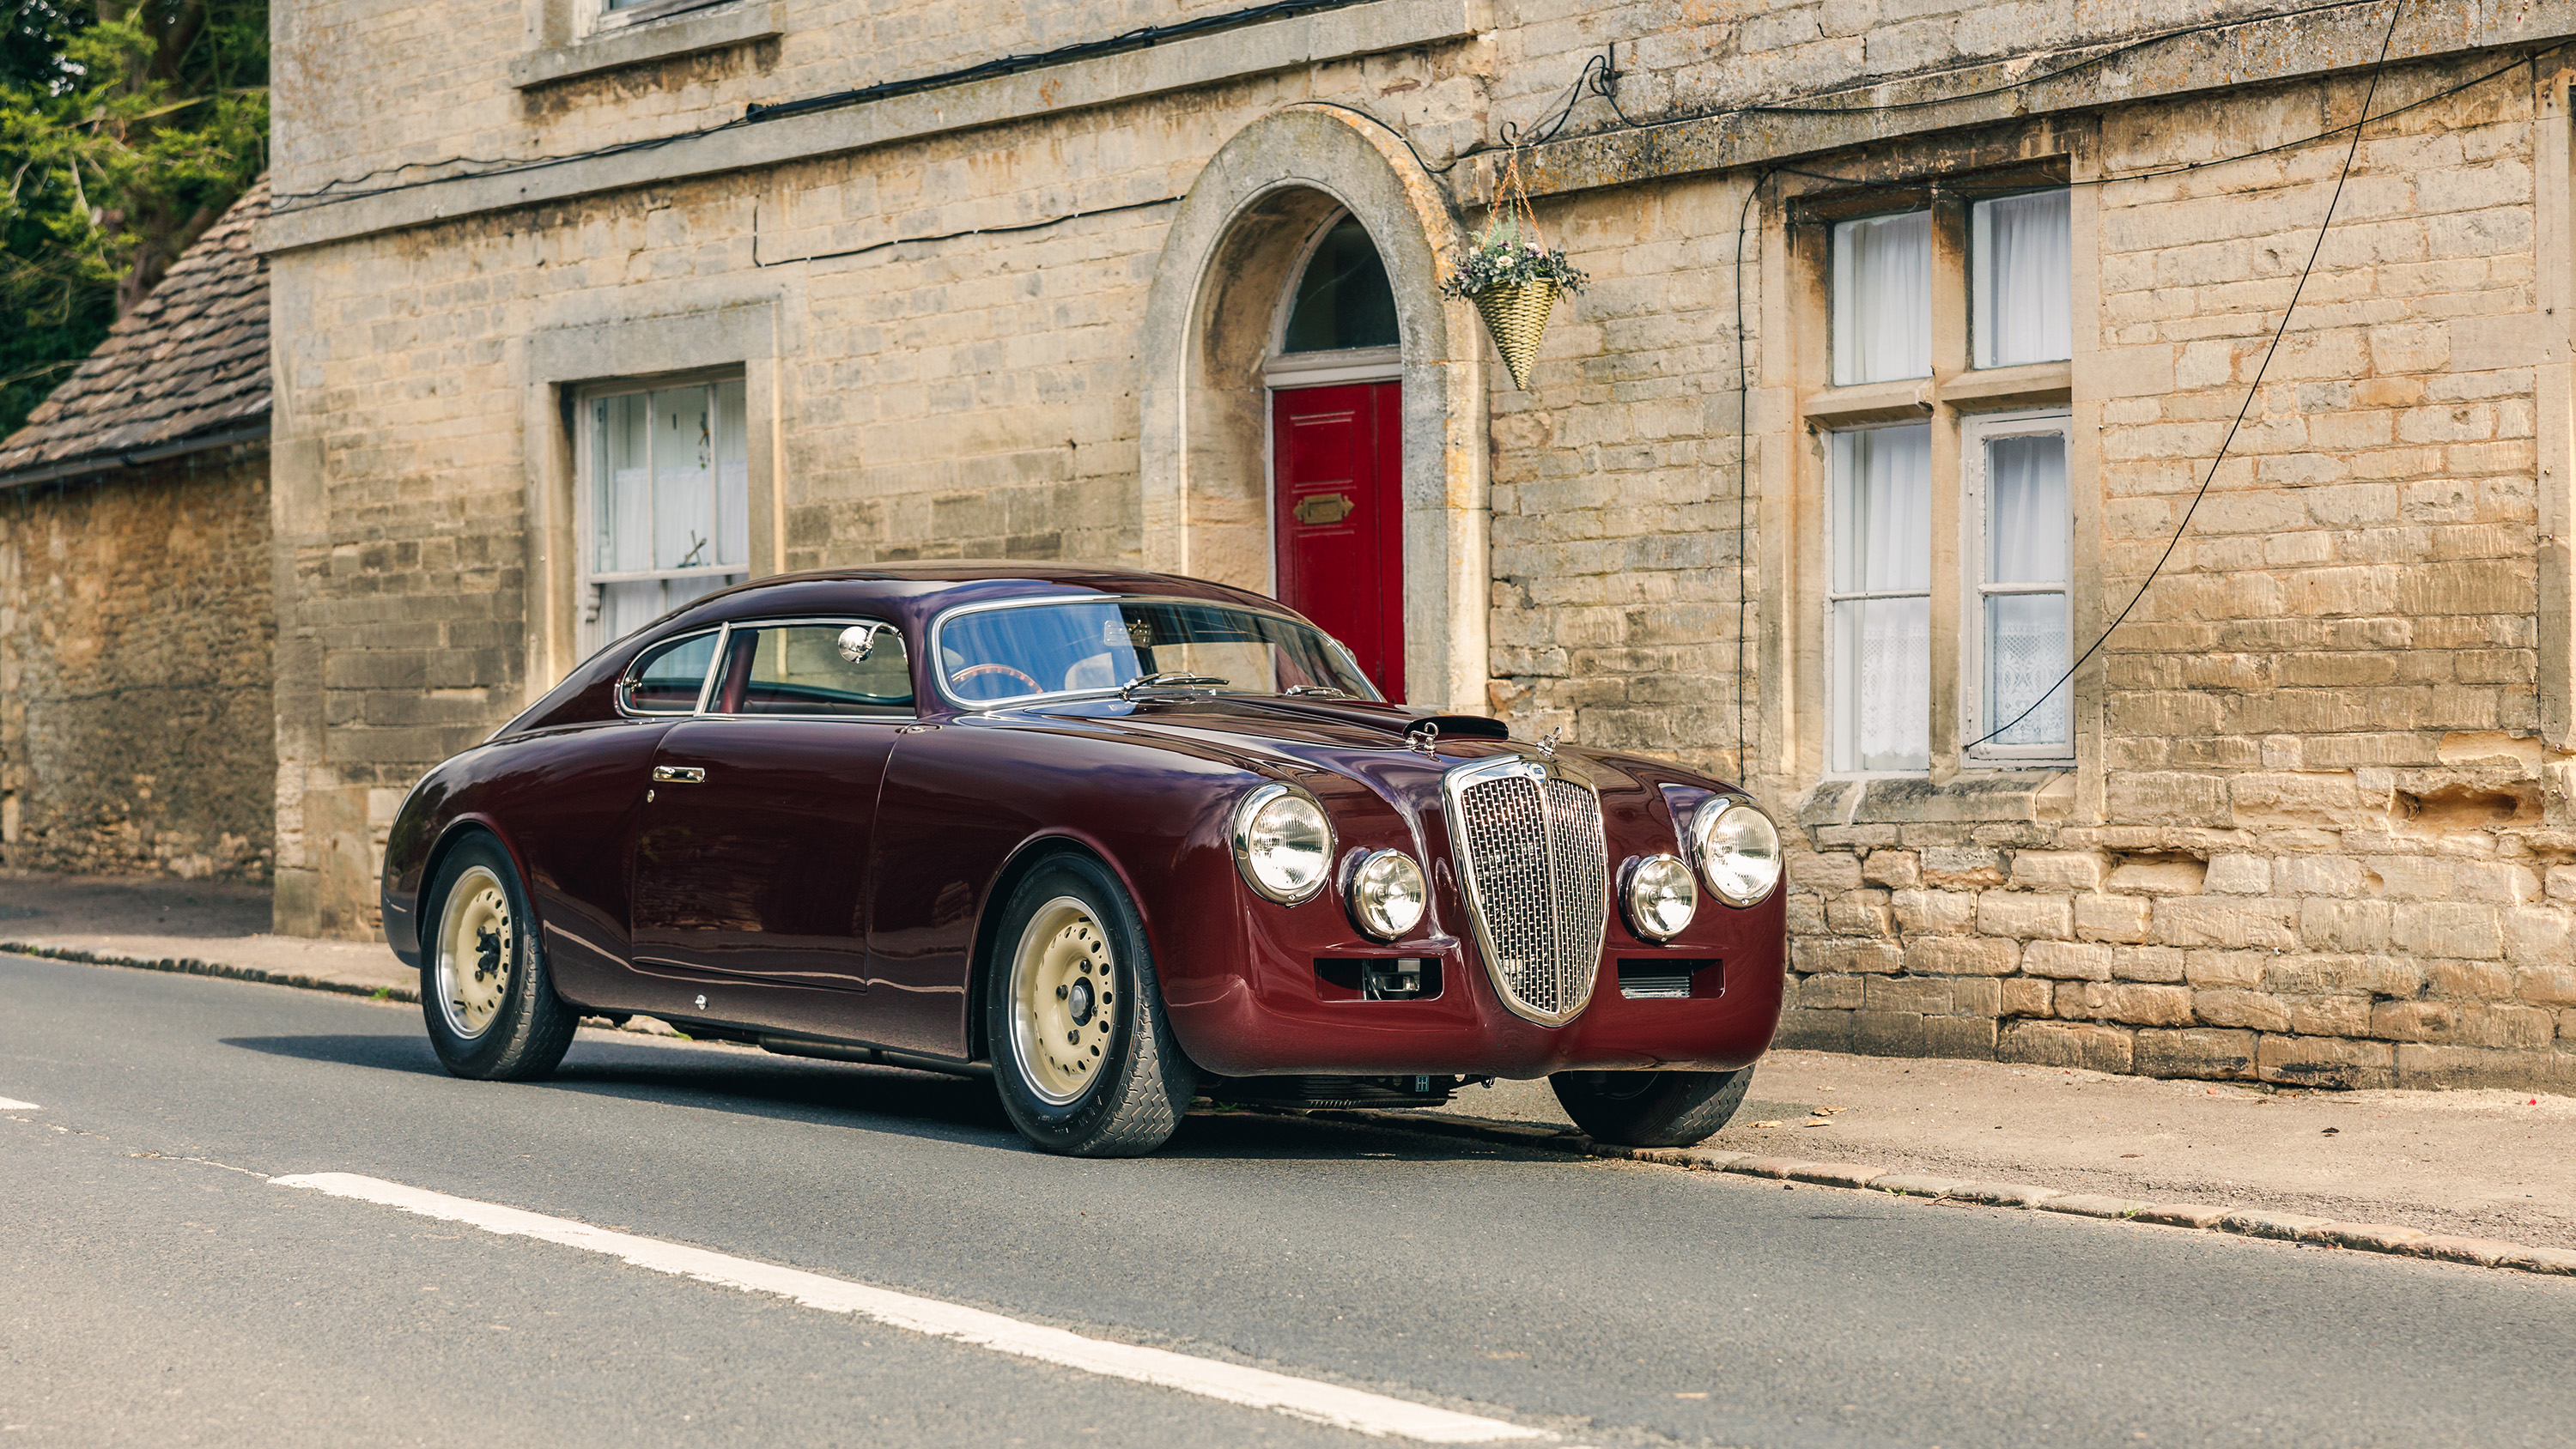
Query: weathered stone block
[2337,925]
[1934,912]
[2196,1052]
[1830,993]
[2088,1045]
[1816,955]
[2238,875]
[2443,928]
[2067,960]
[2234,922]
[2318,1061]
[2021,996]
[1969,1037]
[2027,917]
[2150,963]
[1815,1031]
[2056,870]
[2541,937]
[1962,956]
[2256,1010]
[2135,1003]
[2329,1015]
[1888,1033]
[2112,918]
[1895,869]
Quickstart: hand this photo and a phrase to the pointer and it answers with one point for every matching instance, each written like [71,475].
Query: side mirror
[858,640]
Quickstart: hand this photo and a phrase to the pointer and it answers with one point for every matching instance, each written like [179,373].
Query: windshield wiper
[1170,679]
[1316,689]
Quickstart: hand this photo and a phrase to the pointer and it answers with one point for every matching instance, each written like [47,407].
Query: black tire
[1651,1109]
[1118,1090]
[521,1036]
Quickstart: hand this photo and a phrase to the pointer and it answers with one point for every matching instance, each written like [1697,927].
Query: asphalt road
[155,1287]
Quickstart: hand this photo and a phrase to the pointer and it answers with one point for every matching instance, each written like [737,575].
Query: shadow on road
[879,1099]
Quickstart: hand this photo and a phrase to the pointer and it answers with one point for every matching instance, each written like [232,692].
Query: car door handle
[679,775]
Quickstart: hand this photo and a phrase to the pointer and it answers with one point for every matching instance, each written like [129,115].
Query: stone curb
[2241,1222]
[191,966]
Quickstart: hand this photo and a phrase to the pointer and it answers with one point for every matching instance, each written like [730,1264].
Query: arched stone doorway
[1215,357]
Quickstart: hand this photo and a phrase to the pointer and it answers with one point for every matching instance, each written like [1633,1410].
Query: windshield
[991,656]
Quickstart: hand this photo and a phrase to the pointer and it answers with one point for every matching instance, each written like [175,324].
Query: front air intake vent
[1530,850]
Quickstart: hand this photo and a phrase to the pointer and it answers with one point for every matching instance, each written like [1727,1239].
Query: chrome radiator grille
[1530,848]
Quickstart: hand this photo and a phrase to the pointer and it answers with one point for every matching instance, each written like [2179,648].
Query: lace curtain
[1883,298]
[2026,543]
[1882,640]
[2023,270]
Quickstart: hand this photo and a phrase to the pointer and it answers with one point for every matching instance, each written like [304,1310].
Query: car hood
[1357,738]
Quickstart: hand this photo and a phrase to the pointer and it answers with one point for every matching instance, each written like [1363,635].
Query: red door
[1339,517]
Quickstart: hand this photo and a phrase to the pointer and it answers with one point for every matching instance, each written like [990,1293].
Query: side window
[667,677]
[801,669]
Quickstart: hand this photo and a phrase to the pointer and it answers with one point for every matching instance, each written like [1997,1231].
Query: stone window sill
[1980,798]
[687,33]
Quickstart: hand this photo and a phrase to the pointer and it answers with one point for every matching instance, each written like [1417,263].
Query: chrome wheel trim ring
[1064,1001]
[477,952]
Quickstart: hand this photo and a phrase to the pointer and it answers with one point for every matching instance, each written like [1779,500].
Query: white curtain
[1883,298]
[733,476]
[684,522]
[1882,545]
[2026,543]
[2023,275]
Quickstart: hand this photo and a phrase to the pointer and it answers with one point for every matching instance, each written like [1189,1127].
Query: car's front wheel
[1082,1056]
[491,1006]
[1651,1109]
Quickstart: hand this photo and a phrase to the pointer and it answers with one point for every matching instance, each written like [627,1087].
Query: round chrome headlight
[1282,843]
[1387,894]
[1739,850]
[1659,897]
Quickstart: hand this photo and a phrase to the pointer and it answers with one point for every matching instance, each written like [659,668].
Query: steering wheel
[973,670]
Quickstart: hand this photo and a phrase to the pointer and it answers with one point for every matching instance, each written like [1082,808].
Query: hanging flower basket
[1513,276]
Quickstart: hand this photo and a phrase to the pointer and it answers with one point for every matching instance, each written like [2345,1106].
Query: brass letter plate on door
[1323,508]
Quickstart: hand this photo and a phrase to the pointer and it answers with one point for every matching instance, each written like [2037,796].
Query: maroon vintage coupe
[1114,839]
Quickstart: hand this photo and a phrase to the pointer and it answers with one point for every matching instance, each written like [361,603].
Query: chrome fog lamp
[1739,850]
[1658,897]
[1387,894]
[1282,843]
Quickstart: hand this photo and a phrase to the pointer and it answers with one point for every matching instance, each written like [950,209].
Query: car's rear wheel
[1651,1109]
[1082,1055]
[491,1007]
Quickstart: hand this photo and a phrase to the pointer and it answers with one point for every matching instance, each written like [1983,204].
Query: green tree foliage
[126,128]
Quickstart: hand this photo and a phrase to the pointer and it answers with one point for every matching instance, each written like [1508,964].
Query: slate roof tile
[191,361]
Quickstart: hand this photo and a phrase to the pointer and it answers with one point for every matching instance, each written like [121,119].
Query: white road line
[1322,1403]
[8,1105]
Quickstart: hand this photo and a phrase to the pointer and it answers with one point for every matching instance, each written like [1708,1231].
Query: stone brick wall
[2331,847]
[136,641]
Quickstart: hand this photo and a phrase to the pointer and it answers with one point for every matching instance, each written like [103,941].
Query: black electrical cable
[1743,487]
[2395,7]
[1141,38]
[945,235]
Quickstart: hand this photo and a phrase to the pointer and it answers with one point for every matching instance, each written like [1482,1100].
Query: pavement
[2480,1164]
[178,1269]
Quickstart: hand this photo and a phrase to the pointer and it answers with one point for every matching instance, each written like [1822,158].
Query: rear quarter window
[667,678]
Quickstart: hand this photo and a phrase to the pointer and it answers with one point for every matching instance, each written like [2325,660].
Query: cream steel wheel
[1064,1000]
[478,942]
[486,992]
[1083,1059]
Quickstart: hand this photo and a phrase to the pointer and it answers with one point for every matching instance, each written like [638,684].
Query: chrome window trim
[626,676]
[939,623]
[706,691]
[1717,803]
[1453,790]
